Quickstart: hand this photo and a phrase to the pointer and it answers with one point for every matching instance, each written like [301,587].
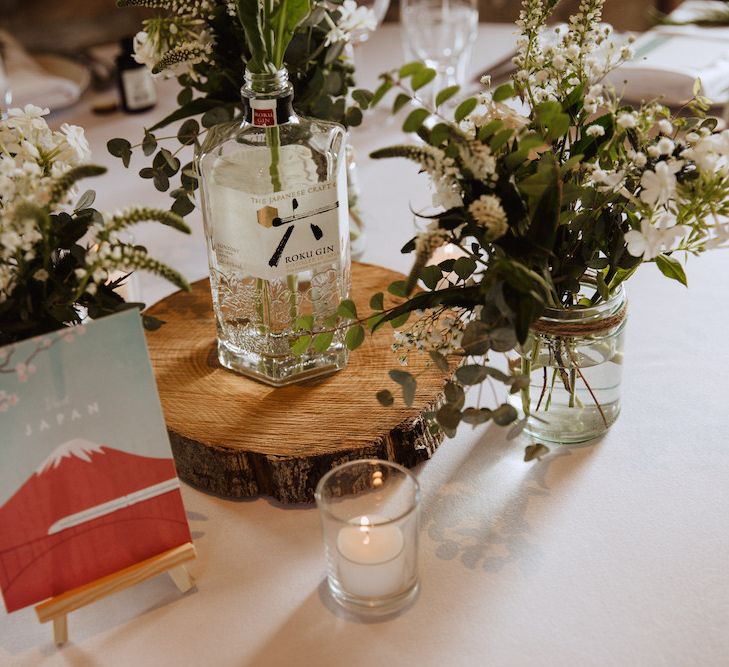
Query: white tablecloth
[612,553]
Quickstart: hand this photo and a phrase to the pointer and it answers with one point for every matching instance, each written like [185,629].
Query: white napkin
[31,84]
[670,58]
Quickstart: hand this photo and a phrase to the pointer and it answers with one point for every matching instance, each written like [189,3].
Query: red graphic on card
[264,117]
[88,511]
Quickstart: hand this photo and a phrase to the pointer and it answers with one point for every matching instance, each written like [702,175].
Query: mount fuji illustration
[87,511]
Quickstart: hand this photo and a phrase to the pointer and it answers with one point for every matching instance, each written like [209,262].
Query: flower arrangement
[57,258]
[208,44]
[544,184]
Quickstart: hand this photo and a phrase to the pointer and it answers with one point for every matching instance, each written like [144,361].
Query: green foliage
[57,283]
[354,337]
[465,108]
[321,74]
[671,268]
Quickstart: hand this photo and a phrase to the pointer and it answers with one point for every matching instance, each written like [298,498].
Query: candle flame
[364,526]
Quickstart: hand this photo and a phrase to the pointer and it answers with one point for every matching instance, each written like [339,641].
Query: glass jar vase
[573,358]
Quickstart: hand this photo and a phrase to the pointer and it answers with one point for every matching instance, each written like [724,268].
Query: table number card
[87,481]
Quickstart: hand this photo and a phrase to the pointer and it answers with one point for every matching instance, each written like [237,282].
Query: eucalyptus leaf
[464,109]
[120,148]
[188,132]
[85,200]
[149,143]
[301,345]
[415,119]
[422,78]
[362,97]
[347,309]
[323,340]
[354,337]
[398,288]
[377,302]
[400,101]
[410,68]
[671,268]
[305,322]
[446,94]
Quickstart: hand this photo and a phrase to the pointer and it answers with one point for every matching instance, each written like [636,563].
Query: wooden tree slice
[235,437]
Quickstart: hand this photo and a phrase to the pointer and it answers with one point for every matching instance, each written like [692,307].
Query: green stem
[278,55]
[526,369]
[573,387]
[273,141]
[551,389]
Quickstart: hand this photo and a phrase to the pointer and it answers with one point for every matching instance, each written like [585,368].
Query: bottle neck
[267,98]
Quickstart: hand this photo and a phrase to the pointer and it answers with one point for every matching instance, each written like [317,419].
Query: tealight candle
[369,518]
[372,557]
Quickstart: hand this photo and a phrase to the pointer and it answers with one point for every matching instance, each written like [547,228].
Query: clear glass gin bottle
[274,194]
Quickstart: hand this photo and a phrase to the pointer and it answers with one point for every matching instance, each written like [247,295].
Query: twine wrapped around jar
[582,328]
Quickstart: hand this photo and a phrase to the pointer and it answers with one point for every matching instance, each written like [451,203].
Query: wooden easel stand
[56,609]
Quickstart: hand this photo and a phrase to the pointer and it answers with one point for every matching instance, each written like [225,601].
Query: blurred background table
[611,553]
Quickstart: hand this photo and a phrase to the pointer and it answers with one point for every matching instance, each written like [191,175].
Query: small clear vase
[573,358]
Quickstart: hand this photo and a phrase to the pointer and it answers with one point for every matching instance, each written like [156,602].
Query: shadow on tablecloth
[481,515]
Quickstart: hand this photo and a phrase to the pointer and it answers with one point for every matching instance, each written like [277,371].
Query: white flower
[479,160]
[659,186]
[627,120]
[665,127]
[509,116]
[352,18]
[41,275]
[665,146]
[652,240]
[595,131]
[488,213]
[703,153]
[638,158]
[76,140]
[146,51]
[608,180]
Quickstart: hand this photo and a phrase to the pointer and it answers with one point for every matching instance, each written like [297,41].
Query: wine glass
[6,96]
[441,33]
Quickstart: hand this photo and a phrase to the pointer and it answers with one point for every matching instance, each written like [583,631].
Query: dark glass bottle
[136,85]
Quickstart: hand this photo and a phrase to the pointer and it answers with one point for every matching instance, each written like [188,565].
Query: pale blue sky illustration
[97,387]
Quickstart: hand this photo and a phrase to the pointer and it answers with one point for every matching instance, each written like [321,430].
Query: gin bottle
[274,194]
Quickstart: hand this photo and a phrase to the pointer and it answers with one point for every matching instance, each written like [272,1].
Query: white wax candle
[371,558]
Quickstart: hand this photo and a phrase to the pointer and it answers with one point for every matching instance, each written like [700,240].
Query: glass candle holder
[369,516]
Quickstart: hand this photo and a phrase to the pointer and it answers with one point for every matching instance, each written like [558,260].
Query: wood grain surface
[237,438]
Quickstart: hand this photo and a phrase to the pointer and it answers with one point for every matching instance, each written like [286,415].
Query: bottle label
[281,233]
[139,88]
[263,112]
